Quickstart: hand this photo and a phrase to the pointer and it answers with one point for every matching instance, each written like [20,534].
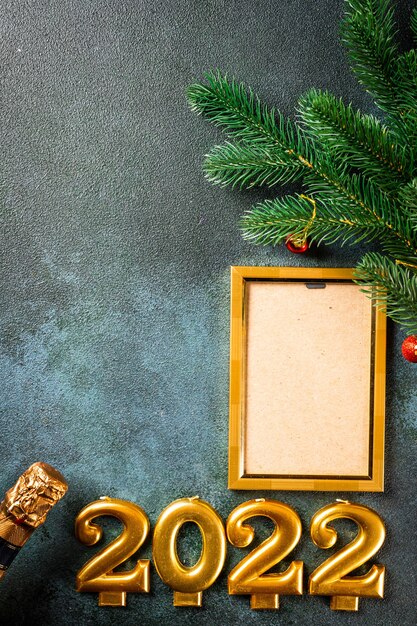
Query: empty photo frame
[307,381]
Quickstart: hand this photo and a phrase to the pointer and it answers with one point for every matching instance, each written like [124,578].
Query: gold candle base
[188,599]
[344,603]
[264,601]
[112,598]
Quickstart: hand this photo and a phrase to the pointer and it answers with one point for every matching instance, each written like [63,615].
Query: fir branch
[361,194]
[271,221]
[357,196]
[369,33]
[245,164]
[406,82]
[405,124]
[347,212]
[392,287]
[358,172]
[407,197]
[367,144]
[231,105]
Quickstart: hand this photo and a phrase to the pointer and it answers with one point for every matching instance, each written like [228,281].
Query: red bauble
[409,348]
[293,247]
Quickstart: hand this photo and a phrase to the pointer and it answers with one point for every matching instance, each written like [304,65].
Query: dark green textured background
[115,256]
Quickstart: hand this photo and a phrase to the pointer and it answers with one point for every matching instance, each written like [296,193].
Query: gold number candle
[331,578]
[97,574]
[249,577]
[189,583]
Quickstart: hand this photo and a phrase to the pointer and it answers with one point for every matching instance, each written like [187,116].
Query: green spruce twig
[357,173]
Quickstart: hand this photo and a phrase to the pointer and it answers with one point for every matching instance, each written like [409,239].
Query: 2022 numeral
[251,575]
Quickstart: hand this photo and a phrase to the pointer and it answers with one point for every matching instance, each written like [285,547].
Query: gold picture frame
[307,381]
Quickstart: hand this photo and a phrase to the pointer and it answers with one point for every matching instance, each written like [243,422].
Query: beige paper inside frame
[308,379]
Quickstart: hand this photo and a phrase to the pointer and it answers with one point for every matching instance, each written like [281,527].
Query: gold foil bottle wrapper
[12,537]
[35,493]
[25,507]
[16,534]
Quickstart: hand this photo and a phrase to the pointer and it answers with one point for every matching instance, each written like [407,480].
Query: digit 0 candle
[189,583]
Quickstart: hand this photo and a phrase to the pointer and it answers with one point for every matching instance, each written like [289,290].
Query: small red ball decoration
[409,348]
[293,247]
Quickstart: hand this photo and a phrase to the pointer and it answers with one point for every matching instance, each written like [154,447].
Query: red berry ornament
[295,248]
[409,348]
